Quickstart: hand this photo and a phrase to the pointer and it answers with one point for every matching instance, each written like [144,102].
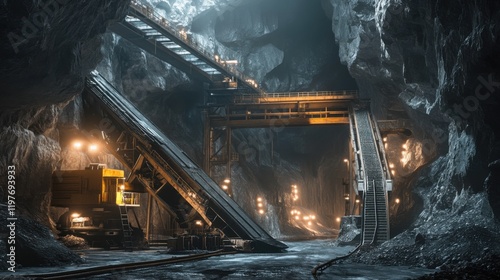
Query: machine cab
[97,184]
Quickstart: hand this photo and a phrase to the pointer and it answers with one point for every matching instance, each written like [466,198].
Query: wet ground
[296,263]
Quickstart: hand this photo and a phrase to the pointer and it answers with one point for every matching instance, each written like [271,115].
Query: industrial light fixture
[227,181]
[259,199]
[75,215]
[397,200]
[338,219]
[385,139]
[261,211]
[295,192]
[92,148]
[224,187]
[357,200]
[345,160]
[77,145]
[198,223]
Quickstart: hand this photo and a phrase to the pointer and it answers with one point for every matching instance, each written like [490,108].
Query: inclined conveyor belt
[154,146]
[375,222]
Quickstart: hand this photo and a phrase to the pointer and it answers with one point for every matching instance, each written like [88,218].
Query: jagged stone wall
[47,48]
[436,63]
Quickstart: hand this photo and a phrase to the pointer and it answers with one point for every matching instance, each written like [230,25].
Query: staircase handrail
[376,214]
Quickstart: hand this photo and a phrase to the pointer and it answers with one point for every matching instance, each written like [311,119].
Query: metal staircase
[373,178]
[156,35]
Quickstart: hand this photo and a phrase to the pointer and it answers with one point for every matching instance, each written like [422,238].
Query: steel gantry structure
[246,105]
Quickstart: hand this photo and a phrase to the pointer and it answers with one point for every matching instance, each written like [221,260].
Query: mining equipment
[98,201]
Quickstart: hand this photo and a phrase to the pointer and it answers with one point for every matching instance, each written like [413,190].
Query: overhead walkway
[271,110]
[372,176]
[282,109]
[154,34]
[166,171]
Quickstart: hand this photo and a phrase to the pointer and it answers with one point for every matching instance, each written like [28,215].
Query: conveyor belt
[162,167]
[375,222]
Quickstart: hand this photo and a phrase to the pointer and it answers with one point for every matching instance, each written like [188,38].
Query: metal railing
[341,94]
[310,93]
[182,35]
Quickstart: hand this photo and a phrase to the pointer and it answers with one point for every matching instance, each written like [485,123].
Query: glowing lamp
[77,145]
[92,148]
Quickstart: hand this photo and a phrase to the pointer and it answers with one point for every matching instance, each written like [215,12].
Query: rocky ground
[34,245]
[485,268]
[470,252]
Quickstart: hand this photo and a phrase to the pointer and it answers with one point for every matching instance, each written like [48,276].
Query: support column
[206,142]
[229,158]
[206,131]
[148,219]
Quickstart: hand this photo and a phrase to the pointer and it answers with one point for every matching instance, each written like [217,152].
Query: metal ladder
[126,230]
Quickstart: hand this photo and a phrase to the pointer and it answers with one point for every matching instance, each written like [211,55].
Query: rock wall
[436,63]
[47,48]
